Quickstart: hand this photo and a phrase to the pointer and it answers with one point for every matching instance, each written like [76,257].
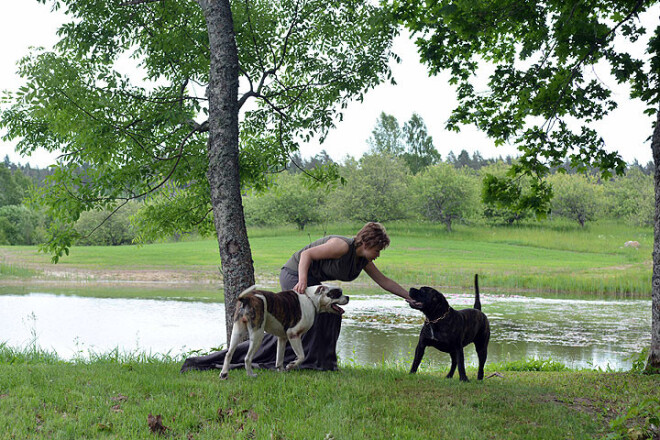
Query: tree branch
[594,46]
[106,219]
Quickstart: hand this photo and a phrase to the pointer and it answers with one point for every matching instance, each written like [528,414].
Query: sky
[28,23]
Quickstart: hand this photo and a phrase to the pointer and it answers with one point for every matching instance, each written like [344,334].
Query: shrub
[576,197]
[375,190]
[291,199]
[20,225]
[101,228]
[445,194]
[631,198]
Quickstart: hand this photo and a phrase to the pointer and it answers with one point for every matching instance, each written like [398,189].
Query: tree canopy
[540,93]
[225,91]
[410,142]
[300,62]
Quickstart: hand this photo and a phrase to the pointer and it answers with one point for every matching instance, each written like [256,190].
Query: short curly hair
[372,235]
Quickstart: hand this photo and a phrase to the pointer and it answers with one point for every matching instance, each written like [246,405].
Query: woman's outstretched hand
[300,287]
[414,304]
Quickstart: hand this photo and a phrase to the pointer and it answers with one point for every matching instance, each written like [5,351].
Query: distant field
[551,257]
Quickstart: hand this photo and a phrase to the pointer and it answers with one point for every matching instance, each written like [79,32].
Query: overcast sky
[27,23]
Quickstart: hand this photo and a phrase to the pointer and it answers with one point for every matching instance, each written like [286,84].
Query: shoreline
[24,269]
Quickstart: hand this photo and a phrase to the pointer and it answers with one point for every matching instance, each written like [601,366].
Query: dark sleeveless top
[345,268]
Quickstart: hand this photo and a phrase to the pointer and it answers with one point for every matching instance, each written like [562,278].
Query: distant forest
[379,186]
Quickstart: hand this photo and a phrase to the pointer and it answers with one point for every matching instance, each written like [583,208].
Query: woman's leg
[288,279]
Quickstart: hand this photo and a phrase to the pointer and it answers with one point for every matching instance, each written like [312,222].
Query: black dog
[450,330]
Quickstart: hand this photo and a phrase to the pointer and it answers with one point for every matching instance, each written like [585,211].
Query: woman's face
[371,253]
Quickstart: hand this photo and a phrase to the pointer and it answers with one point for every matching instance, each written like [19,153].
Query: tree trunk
[223,175]
[447,222]
[653,363]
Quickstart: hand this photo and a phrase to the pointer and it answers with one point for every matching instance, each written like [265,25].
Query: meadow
[547,258]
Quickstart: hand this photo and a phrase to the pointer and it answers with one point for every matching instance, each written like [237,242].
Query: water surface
[376,329]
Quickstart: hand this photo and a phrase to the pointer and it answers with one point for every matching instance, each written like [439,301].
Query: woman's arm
[330,250]
[386,283]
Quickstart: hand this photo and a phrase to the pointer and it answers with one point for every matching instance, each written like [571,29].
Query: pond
[580,333]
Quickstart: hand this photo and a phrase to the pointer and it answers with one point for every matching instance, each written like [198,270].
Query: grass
[11,270]
[112,397]
[551,257]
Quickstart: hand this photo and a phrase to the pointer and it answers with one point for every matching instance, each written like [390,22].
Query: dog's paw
[251,374]
[291,366]
[223,376]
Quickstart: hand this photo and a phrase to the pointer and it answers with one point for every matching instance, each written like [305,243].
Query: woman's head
[372,235]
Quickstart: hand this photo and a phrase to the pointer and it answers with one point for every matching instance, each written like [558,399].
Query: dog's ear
[440,299]
[320,289]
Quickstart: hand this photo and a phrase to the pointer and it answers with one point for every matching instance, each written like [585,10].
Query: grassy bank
[210,294]
[552,257]
[14,271]
[41,397]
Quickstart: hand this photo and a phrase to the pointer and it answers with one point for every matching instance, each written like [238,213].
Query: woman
[340,258]
[331,258]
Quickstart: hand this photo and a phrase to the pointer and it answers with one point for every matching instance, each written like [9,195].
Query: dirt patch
[67,275]
[583,405]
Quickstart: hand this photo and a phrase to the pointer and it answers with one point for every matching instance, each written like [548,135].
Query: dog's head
[329,298]
[432,302]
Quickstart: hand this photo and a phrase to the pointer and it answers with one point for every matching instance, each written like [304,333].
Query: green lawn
[548,257]
[111,398]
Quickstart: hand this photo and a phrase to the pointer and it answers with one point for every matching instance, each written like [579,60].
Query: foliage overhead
[125,137]
[509,200]
[541,95]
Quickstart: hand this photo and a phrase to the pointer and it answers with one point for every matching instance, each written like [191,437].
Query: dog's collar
[313,303]
[438,319]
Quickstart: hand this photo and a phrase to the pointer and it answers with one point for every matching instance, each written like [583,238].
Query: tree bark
[653,363]
[223,171]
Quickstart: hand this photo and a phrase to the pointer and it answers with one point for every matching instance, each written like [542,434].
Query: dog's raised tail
[477,302]
[244,293]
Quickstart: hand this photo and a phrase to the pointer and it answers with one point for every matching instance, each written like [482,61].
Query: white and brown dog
[286,315]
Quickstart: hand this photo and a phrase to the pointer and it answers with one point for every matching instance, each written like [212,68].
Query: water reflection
[578,333]
[72,326]
[376,329]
